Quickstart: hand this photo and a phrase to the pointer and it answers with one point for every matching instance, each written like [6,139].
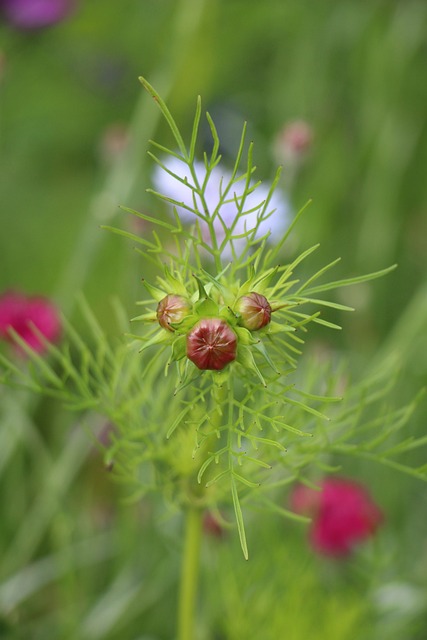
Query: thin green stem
[193,529]
[189,573]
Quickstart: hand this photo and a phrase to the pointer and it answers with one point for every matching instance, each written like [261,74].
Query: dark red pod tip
[172,308]
[211,344]
[254,310]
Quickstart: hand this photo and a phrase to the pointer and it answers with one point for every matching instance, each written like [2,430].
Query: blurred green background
[74,131]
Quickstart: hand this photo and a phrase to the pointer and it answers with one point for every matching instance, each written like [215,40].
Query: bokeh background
[75,126]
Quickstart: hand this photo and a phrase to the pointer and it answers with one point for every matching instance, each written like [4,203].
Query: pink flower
[343,512]
[24,314]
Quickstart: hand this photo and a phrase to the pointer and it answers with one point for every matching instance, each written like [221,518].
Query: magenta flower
[35,14]
[27,315]
[343,513]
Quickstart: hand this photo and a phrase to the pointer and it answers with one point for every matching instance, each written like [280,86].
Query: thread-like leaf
[239,518]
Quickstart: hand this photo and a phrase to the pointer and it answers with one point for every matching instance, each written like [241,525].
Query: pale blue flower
[182,192]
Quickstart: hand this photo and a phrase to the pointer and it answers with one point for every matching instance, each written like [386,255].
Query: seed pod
[171,309]
[211,344]
[254,310]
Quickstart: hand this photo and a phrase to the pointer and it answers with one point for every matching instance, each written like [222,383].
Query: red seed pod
[172,309]
[211,344]
[255,311]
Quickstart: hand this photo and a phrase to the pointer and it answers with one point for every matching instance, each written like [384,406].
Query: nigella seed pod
[254,310]
[211,344]
[172,309]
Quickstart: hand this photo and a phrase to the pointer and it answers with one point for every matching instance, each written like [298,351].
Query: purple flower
[343,513]
[27,315]
[35,14]
[169,186]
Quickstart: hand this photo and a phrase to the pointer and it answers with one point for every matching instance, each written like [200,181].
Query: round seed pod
[254,310]
[211,344]
[171,309]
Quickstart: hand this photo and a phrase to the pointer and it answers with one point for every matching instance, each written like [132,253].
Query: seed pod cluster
[211,342]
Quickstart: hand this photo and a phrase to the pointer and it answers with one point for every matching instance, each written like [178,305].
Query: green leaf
[239,518]
[350,281]
[167,115]
[195,130]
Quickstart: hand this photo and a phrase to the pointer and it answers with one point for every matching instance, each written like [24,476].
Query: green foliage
[75,562]
[213,437]
[285,597]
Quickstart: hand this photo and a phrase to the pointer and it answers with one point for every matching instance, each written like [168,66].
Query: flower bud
[211,344]
[254,310]
[172,309]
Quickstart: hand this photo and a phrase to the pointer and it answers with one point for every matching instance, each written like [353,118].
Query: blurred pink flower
[23,313]
[343,513]
[293,143]
[35,14]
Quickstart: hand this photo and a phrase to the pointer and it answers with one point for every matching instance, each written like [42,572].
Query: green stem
[193,530]
[189,573]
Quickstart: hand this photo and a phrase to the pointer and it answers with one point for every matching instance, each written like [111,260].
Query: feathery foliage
[235,435]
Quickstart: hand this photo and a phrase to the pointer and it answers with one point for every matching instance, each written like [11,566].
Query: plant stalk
[189,574]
